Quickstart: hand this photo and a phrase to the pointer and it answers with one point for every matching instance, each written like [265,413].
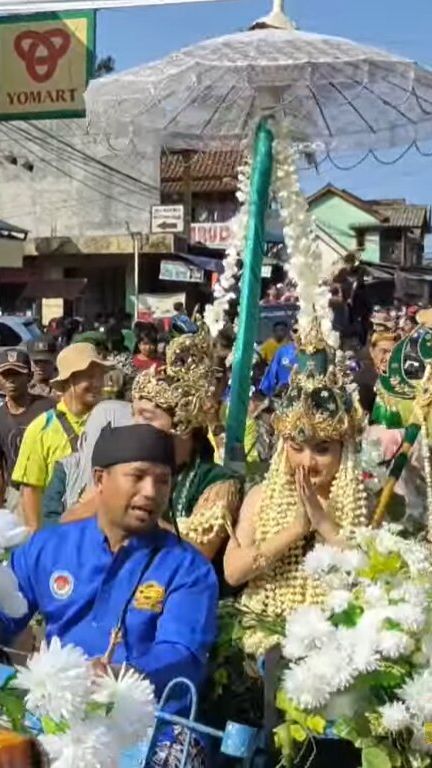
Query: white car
[17,331]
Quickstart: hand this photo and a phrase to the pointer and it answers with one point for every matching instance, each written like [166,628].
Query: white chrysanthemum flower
[321,559]
[12,601]
[393,644]
[133,703]
[12,532]
[338,600]
[88,744]
[374,595]
[417,694]
[411,593]
[351,560]
[308,689]
[306,629]
[412,617]
[417,557]
[395,716]
[56,680]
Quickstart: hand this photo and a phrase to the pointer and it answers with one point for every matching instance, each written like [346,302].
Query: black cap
[43,348]
[136,442]
[14,359]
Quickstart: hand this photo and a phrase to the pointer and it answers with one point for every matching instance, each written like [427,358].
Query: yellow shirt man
[269,348]
[280,337]
[44,443]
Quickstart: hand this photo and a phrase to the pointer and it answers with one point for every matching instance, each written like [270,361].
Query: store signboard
[46,62]
[181,272]
[36,6]
[214,234]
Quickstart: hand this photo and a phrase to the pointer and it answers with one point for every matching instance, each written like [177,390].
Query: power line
[70,176]
[95,160]
[60,153]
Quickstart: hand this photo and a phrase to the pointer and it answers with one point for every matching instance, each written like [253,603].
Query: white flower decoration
[395,716]
[133,703]
[56,681]
[88,744]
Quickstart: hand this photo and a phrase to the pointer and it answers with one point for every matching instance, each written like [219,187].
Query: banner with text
[35,6]
[46,62]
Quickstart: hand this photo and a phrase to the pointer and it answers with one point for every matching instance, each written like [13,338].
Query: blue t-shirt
[278,373]
[71,577]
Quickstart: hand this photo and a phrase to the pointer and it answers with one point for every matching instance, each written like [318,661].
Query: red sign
[214,234]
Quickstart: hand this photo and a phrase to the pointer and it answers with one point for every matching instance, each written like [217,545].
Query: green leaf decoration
[375,757]
[316,724]
[382,565]
[298,733]
[292,712]
[283,739]
[14,709]
[52,727]
[349,617]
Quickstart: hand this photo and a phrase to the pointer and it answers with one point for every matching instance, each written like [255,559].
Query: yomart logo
[42,51]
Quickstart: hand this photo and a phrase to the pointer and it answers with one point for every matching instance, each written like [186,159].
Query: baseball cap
[43,348]
[14,359]
[75,358]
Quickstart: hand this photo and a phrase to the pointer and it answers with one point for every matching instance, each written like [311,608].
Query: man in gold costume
[313,491]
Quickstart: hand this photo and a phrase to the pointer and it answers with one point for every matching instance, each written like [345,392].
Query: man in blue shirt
[122,571]
[278,373]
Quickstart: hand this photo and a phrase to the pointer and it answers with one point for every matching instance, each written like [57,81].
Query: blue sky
[137,35]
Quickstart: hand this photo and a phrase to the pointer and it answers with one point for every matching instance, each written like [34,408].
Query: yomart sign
[32,6]
[46,61]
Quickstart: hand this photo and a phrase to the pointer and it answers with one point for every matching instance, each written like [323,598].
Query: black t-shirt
[12,428]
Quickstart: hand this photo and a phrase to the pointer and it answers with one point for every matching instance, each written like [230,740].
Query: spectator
[278,373]
[54,435]
[145,353]
[279,339]
[43,355]
[20,408]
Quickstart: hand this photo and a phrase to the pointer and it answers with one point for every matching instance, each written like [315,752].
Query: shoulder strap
[68,429]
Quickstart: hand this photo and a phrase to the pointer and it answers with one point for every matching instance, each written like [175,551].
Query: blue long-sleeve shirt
[69,574]
[278,373]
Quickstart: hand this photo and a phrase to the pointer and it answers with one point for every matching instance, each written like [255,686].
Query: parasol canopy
[333,91]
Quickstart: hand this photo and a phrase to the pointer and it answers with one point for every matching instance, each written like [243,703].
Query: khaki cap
[76,358]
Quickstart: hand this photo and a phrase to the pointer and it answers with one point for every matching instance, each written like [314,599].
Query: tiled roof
[210,171]
[403,215]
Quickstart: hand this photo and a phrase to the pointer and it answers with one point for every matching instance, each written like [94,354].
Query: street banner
[35,6]
[46,62]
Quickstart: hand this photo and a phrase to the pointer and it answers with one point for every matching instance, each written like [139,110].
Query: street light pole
[136,238]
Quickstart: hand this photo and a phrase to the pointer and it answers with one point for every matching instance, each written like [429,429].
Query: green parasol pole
[250,294]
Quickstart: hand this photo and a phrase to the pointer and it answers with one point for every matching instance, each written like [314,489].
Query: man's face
[145,412]
[380,354]
[280,332]
[43,370]
[14,383]
[132,497]
[87,385]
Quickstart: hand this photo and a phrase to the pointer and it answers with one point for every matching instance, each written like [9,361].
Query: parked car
[17,331]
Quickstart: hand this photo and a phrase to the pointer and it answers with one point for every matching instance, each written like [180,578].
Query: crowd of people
[111,452]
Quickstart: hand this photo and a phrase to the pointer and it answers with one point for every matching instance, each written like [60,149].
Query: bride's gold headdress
[318,404]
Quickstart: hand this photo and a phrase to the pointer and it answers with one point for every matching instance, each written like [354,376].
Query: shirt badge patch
[61,584]
[149,597]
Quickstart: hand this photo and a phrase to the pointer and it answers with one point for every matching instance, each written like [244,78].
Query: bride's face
[321,459]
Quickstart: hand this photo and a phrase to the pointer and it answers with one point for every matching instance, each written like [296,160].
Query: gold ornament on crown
[185,388]
[285,585]
[320,403]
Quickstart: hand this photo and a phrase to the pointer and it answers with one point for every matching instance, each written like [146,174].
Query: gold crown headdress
[186,387]
[318,404]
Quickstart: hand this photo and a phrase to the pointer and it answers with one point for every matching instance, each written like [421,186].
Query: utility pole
[136,238]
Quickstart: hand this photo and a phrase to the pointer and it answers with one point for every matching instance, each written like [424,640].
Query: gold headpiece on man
[318,404]
[185,388]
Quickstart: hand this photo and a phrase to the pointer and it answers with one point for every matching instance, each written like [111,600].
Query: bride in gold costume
[313,491]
